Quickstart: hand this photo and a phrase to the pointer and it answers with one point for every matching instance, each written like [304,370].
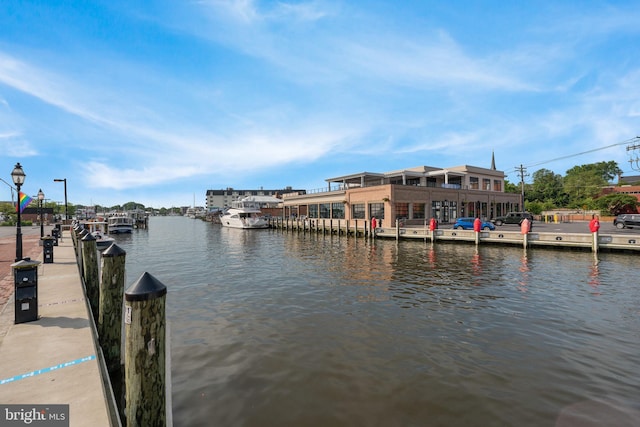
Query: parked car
[512,218]
[466,223]
[627,221]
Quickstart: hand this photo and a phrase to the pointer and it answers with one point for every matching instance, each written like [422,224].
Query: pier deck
[55,360]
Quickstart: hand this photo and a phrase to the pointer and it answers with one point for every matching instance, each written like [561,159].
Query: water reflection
[476,267]
[594,276]
[286,329]
[431,255]
[524,269]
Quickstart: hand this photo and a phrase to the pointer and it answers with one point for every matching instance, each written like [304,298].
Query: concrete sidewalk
[54,360]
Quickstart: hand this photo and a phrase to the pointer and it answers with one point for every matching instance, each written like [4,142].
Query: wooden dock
[552,239]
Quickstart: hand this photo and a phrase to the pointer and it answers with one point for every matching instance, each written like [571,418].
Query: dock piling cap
[113,251]
[147,287]
[88,237]
[25,263]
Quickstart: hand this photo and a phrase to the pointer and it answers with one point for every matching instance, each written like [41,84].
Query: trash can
[47,247]
[25,275]
[55,233]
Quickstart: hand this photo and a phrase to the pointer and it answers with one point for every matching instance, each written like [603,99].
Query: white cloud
[273,84]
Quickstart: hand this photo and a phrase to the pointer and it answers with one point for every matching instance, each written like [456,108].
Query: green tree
[130,206]
[608,170]
[535,208]
[7,208]
[8,211]
[510,187]
[586,181]
[616,203]
[547,187]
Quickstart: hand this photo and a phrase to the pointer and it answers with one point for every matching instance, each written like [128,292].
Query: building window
[486,184]
[337,210]
[418,211]
[325,210]
[445,210]
[474,182]
[402,210]
[455,182]
[358,211]
[313,211]
[497,185]
[376,210]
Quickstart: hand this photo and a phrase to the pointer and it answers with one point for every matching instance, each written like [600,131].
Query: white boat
[244,213]
[96,228]
[102,241]
[120,223]
[196,212]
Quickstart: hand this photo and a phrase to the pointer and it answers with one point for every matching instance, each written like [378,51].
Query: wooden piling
[145,340]
[90,268]
[110,311]
[81,233]
[74,236]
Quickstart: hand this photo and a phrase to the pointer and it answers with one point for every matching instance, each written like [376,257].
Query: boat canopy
[261,199]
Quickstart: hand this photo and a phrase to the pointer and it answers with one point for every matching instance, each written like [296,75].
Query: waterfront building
[412,195]
[220,199]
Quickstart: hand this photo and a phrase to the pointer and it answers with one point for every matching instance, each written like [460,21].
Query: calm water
[277,329]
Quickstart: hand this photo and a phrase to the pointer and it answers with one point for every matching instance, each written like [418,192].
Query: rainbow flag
[24,201]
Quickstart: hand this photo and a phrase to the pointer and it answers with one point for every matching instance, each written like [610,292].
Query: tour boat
[120,223]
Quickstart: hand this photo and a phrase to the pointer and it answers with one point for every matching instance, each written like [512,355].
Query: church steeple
[493,161]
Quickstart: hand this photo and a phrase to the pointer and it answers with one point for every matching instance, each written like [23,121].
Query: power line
[585,152]
[628,141]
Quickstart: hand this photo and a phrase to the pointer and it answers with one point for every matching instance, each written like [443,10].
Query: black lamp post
[18,177]
[40,199]
[66,210]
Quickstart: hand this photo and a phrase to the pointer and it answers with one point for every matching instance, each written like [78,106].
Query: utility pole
[632,160]
[523,172]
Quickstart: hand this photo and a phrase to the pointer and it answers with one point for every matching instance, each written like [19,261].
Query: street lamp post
[40,199]
[66,209]
[18,177]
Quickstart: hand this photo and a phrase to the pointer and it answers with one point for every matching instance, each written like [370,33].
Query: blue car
[466,223]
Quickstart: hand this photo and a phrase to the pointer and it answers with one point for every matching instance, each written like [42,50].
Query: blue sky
[158,101]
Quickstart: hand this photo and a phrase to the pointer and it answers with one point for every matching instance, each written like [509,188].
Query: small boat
[96,228]
[102,241]
[120,223]
[244,213]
